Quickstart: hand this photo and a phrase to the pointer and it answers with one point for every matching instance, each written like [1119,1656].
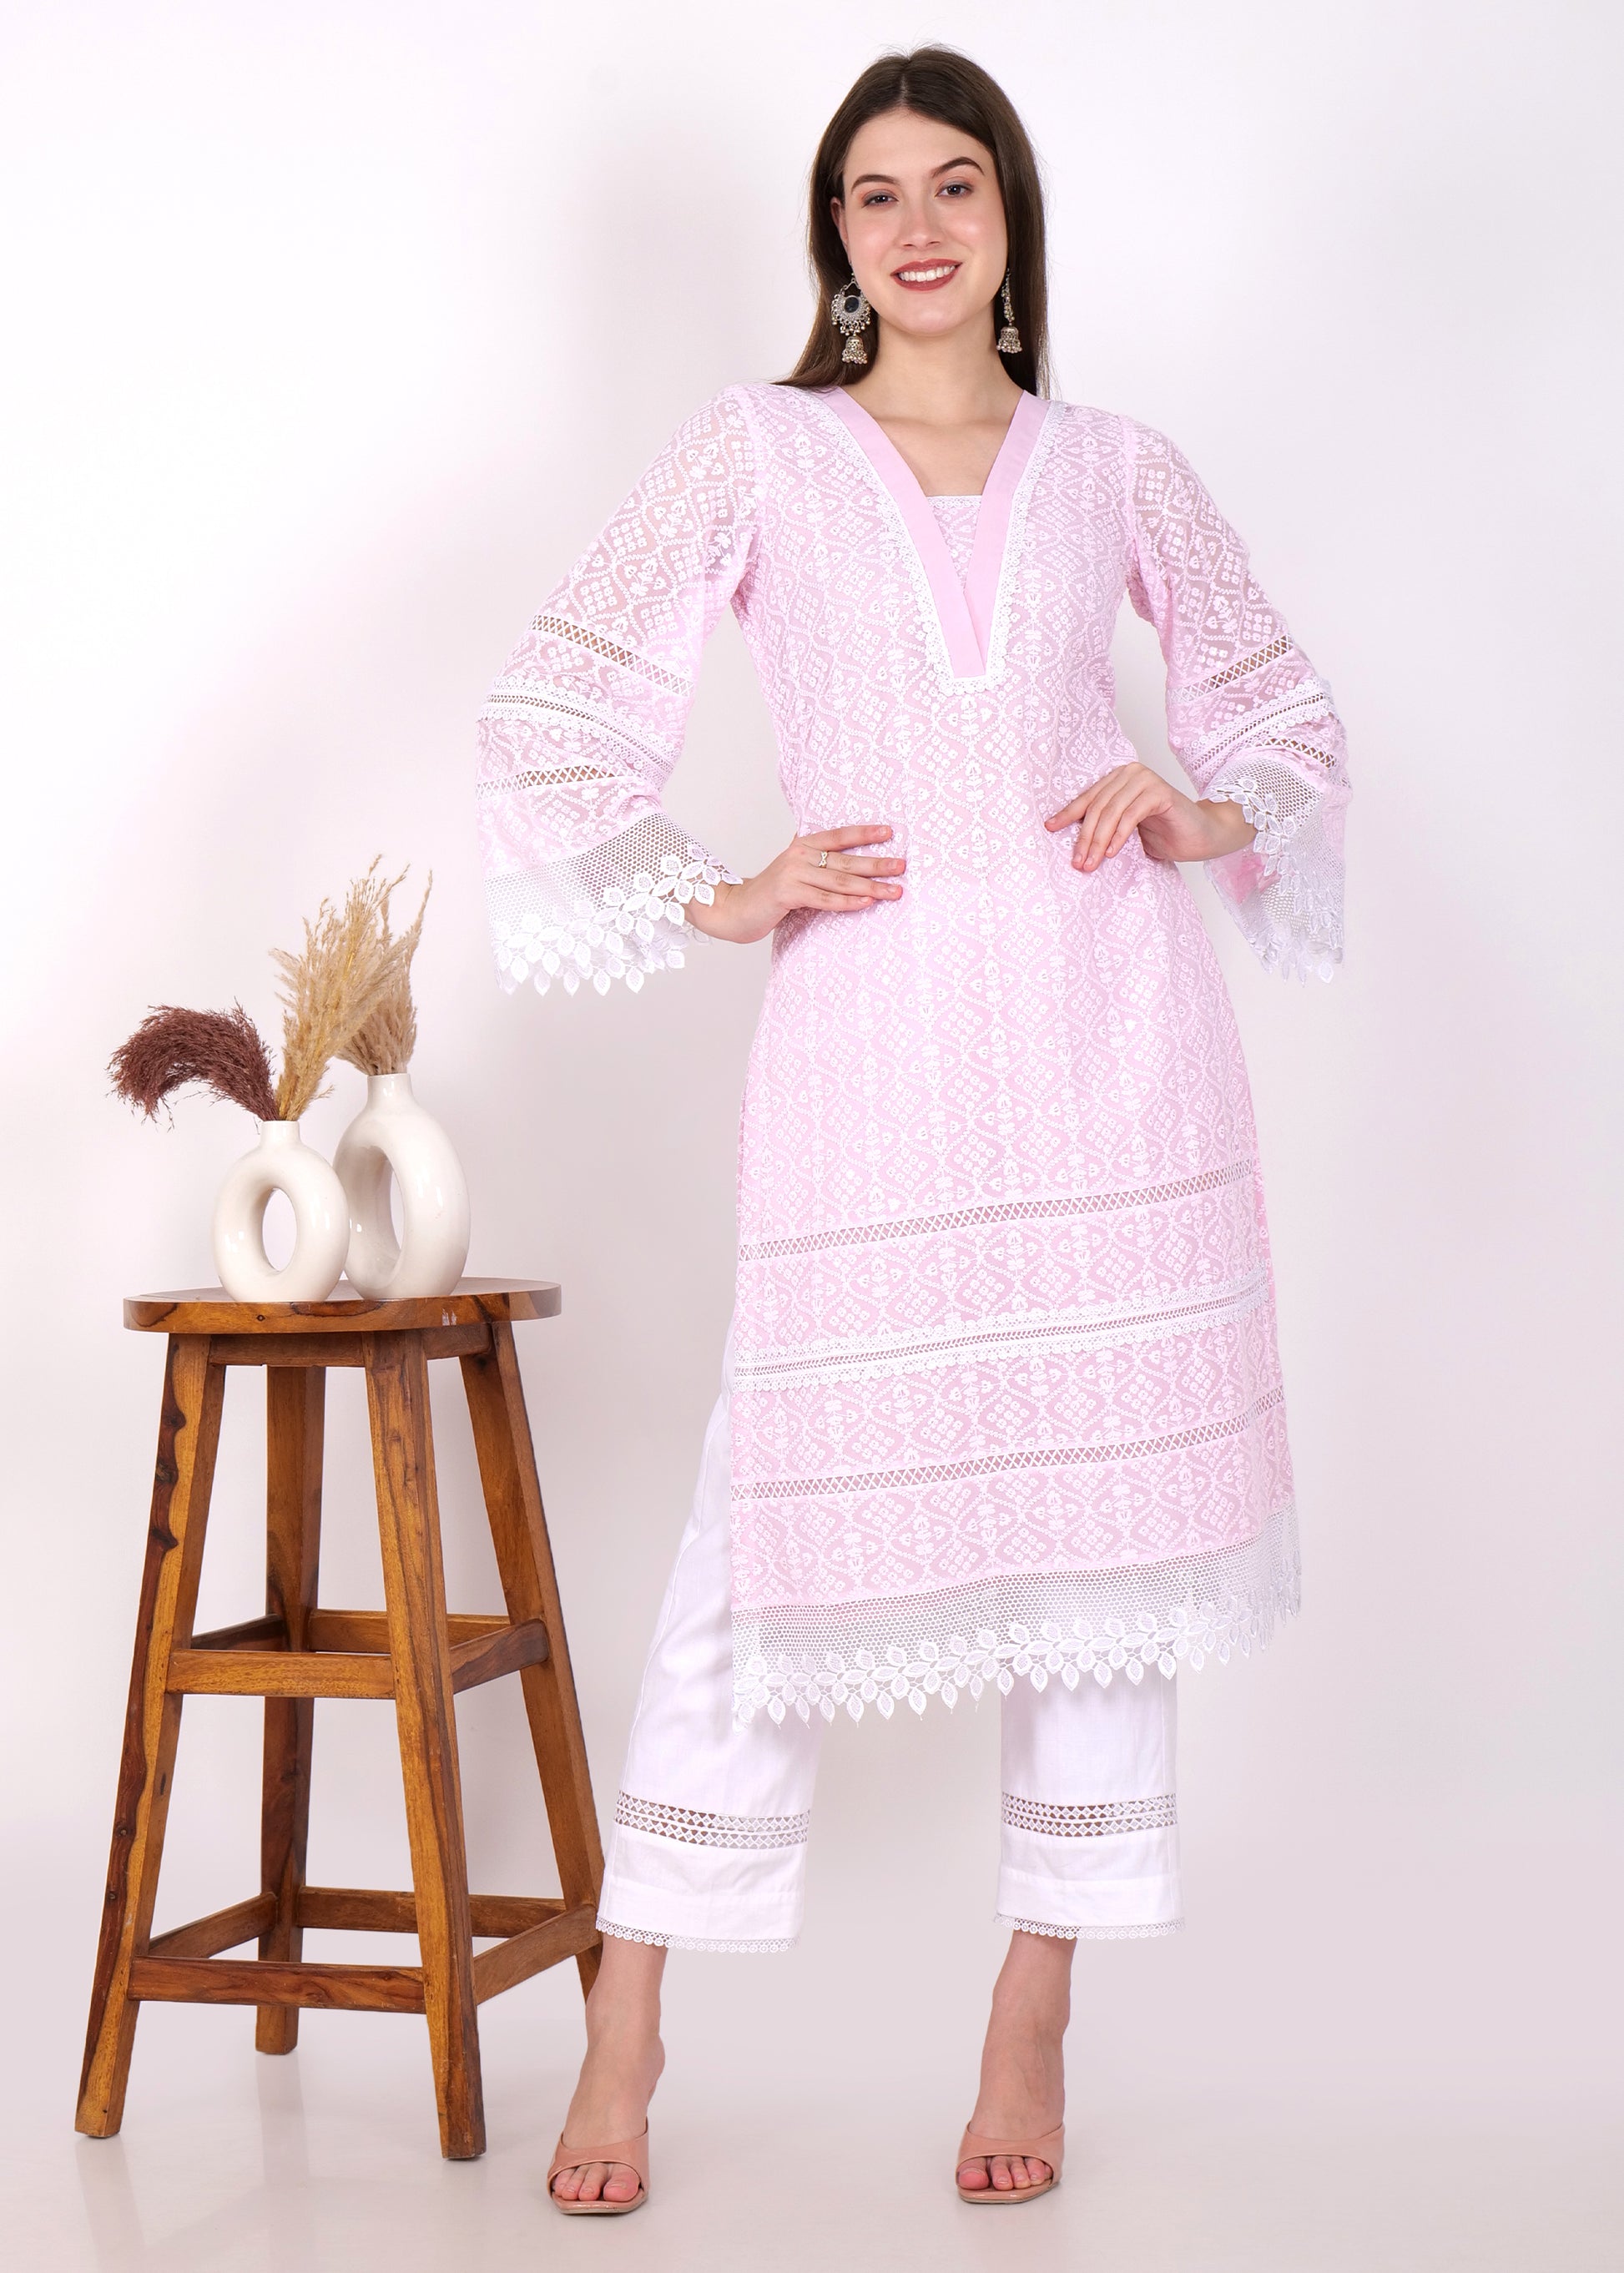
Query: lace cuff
[614,912]
[1284,889]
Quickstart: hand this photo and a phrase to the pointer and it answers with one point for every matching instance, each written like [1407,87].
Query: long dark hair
[937,83]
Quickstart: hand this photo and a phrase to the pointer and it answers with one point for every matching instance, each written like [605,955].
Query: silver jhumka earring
[1009,338]
[851,311]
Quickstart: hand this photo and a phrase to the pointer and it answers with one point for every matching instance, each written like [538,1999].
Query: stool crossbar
[413,1653]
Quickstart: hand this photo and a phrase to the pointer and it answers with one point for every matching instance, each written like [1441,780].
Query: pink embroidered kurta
[1005,1397]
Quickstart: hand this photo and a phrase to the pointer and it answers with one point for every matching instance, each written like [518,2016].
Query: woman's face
[922,223]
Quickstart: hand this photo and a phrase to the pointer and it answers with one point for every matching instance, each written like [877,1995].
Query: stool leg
[295,1412]
[188,1437]
[397,1389]
[524,1560]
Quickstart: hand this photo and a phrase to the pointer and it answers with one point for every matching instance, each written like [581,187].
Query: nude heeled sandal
[1050,2149]
[633,2152]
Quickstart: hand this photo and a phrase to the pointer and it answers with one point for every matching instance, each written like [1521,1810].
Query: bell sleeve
[587,877]
[1248,718]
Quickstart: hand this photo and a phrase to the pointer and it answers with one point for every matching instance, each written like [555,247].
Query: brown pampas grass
[329,992]
[384,1043]
[171,1048]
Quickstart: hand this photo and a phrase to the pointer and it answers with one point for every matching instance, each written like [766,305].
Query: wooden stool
[411,1652]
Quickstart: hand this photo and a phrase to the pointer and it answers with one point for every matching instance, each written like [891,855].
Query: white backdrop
[336,330]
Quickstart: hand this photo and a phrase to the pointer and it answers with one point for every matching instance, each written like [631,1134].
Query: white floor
[835,2158]
[1387,2042]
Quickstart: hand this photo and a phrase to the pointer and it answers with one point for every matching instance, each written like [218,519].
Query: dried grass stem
[329,992]
[223,1050]
[384,1043]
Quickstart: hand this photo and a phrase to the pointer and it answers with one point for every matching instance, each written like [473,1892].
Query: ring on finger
[823,857]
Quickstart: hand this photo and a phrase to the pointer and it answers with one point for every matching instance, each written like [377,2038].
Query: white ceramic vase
[281,1162]
[392,1136]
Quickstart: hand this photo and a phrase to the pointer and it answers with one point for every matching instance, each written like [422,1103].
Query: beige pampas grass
[384,1042]
[330,991]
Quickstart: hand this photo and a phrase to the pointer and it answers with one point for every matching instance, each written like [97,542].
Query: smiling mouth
[927,276]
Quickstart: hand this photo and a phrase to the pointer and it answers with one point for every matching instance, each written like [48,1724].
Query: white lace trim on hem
[1090,1932]
[690,1941]
[1032,1626]
[1091,1818]
[692,1827]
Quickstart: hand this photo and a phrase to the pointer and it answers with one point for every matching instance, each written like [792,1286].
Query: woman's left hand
[1171,826]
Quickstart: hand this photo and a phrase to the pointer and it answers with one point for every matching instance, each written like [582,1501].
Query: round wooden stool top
[471,1303]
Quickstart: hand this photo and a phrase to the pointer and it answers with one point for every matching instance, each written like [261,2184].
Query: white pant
[710,1839]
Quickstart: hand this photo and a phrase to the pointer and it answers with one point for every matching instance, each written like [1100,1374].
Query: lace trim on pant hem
[693,1827]
[1094,1819]
[1090,1932]
[690,1941]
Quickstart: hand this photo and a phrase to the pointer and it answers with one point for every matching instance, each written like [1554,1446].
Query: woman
[1002,1399]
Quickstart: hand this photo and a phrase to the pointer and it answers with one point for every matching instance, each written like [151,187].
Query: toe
[621,2184]
[999,2171]
[566,2184]
[972,2175]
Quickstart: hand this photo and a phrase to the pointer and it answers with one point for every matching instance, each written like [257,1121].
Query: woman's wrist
[1227,828]
[740,913]
[830,871]
[712,919]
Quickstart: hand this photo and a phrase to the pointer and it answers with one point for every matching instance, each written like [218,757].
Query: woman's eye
[948,187]
[877,197]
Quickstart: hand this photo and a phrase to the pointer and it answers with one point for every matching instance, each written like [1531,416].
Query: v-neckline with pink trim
[965,612]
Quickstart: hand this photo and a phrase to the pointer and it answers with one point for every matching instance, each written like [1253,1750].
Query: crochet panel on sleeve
[1248,716]
[588,881]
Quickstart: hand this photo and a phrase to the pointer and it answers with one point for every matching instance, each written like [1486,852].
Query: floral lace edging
[1261,807]
[1300,936]
[621,936]
[687,1941]
[1090,1932]
[1189,1633]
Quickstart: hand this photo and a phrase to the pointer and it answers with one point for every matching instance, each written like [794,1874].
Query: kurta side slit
[708,1849]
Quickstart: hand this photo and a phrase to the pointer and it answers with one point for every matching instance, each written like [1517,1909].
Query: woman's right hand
[842,884]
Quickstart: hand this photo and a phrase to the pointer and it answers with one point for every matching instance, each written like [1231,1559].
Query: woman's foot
[624,2057]
[1023,2067]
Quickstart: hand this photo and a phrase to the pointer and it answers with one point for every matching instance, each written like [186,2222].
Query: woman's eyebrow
[889,180]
